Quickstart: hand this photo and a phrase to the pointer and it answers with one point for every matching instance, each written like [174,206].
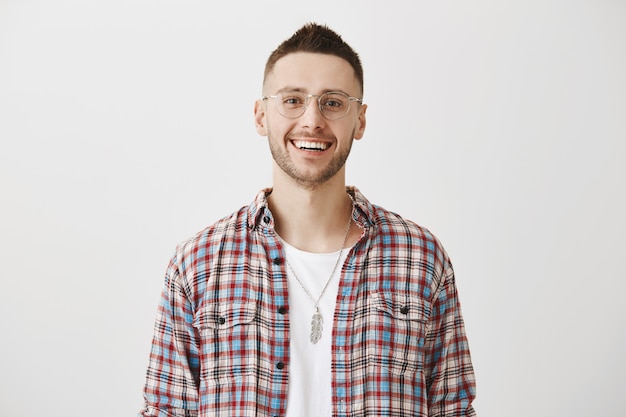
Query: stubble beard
[308,181]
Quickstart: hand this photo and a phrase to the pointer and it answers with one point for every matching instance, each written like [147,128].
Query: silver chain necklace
[316,321]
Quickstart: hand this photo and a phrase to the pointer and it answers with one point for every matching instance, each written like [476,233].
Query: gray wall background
[126,126]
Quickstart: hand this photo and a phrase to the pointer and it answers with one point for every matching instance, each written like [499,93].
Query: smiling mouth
[310,146]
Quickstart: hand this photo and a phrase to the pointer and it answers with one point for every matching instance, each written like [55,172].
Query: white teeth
[311,145]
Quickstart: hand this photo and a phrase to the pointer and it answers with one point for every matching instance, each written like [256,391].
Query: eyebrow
[304,91]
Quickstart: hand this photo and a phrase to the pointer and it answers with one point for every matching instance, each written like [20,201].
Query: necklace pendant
[316,326]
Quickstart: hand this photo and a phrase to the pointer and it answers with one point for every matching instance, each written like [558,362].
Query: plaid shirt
[221,343]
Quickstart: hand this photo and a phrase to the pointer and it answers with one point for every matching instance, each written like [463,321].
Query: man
[310,301]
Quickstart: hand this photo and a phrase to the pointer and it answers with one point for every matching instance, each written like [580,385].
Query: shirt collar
[259,213]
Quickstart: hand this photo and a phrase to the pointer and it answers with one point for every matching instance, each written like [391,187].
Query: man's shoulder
[391,222]
[224,228]
[400,237]
[382,218]
[228,231]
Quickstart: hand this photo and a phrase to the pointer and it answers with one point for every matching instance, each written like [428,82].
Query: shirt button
[277,261]
[280,365]
[221,320]
[266,219]
[404,310]
[282,310]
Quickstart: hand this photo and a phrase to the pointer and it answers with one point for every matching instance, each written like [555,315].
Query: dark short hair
[320,39]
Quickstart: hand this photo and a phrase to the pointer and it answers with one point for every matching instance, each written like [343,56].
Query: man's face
[310,149]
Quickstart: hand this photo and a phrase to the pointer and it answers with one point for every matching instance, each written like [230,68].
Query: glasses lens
[334,105]
[291,104]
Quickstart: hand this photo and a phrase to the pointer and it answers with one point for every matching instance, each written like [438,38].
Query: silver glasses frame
[319,103]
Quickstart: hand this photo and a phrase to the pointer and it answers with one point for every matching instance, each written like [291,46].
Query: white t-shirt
[310,390]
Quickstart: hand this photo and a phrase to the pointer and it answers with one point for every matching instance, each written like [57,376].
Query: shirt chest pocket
[222,316]
[227,333]
[398,328]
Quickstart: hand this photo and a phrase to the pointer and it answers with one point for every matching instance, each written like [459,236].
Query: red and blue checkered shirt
[221,343]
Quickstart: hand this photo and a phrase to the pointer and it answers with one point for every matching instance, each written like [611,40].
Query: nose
[312,116]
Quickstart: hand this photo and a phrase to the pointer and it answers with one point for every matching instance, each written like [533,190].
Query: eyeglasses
[333,105]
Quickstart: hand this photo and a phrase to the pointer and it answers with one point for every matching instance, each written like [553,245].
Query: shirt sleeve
[172,378]
[449,372]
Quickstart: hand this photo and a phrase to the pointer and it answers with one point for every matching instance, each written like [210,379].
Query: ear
[361,122]
[259,117]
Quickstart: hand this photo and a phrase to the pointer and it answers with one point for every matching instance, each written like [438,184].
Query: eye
[292,99]
[333,102]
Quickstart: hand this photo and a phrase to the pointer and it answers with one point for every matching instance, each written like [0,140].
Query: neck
[311,219]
